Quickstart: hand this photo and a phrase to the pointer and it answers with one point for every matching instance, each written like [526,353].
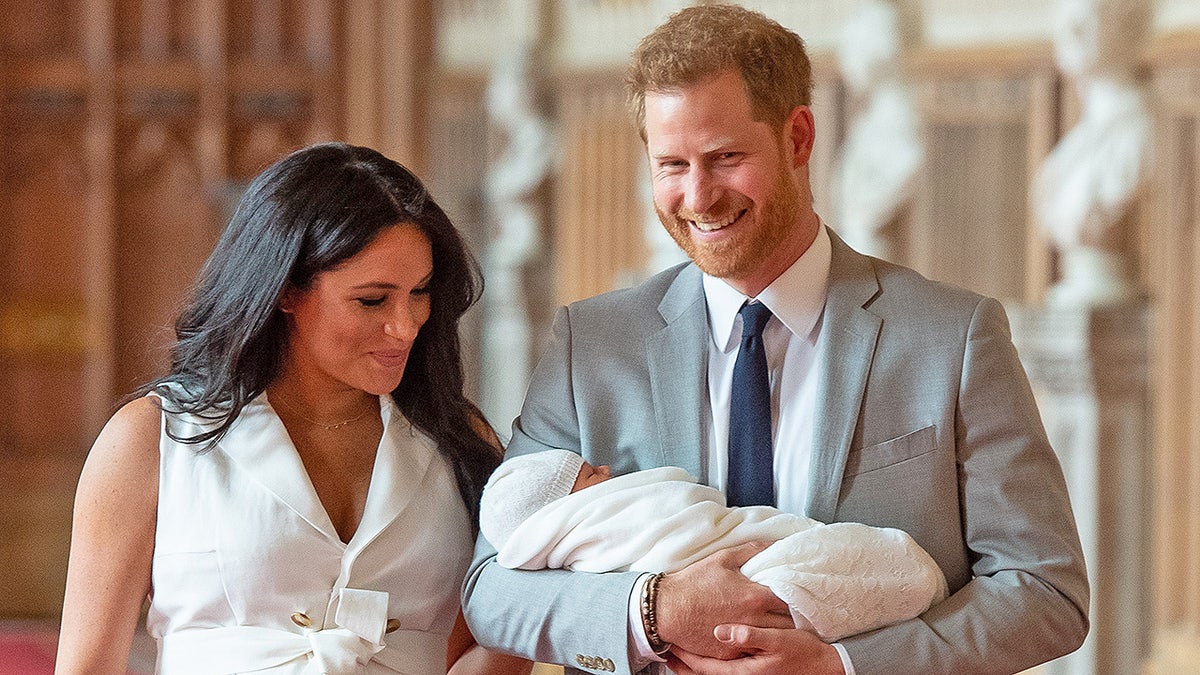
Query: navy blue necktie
[751,475]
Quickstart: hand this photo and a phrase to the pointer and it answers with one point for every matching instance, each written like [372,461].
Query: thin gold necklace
[327,427]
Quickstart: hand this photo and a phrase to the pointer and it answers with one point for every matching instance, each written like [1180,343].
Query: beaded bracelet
[649,617]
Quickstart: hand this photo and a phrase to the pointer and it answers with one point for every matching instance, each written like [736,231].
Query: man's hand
[768,651]
[711,592]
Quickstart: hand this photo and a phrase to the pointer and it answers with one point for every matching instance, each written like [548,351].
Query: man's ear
[799,132]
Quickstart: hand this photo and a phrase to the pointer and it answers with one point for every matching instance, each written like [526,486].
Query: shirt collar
[796,297]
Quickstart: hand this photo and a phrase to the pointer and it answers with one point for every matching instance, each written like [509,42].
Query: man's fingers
[736,635]
[736,556]
[686,663]
[677,666]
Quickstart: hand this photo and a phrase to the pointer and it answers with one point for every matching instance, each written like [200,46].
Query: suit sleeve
[552,616]
[1027,600]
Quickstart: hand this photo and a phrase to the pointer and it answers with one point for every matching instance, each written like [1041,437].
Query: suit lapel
[677,359]
[845,351]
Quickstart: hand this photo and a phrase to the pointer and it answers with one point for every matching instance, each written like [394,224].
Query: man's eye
[424,290]
[372,302]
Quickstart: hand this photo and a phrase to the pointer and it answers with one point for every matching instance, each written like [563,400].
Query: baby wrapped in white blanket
[553,510]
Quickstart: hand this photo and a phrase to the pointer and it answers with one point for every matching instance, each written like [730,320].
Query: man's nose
[700,191]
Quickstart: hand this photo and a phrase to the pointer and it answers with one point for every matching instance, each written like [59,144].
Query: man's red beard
[757,232]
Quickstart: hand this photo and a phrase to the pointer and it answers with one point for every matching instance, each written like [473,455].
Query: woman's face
[355,324]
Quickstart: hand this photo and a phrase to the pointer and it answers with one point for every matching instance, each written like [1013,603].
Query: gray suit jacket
[925,422]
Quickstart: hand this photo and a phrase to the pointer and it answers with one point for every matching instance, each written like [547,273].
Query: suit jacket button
[301,619]
[392,626]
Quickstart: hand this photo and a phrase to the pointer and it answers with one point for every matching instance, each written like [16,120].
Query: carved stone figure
[1084,190]
[516,201]
[874,174]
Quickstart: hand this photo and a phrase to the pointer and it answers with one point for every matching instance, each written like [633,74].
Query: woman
[299,494]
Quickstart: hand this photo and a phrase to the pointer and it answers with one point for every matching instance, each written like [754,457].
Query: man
[894,401]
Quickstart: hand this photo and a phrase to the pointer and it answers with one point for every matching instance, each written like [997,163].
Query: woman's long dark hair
[305,214]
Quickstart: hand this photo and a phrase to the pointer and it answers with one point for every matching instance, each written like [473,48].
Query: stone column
[1088,369]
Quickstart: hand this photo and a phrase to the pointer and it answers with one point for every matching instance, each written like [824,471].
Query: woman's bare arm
[112,543]
[465,657]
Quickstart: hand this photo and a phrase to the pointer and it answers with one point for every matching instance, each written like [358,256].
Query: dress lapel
[404,457]
[260,446]
[845,351]
[678,364]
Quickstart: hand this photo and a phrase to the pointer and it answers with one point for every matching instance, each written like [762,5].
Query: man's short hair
[703,41]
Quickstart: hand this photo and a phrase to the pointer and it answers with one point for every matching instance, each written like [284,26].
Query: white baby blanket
[843,578]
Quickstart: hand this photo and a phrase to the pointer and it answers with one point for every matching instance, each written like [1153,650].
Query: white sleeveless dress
[249,574]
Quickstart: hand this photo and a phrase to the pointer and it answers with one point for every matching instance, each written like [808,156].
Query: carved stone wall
[1089,372]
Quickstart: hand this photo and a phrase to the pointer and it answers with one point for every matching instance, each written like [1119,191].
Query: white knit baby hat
[522,485]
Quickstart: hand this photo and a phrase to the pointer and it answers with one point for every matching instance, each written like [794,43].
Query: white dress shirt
[797,301]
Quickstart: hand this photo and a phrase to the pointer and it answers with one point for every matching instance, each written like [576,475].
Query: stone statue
[875,171]
[516,200]
[1084,190]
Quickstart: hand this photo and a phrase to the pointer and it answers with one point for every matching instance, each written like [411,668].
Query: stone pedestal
[1089,372]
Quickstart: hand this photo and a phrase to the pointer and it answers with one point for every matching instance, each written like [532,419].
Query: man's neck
[783,257]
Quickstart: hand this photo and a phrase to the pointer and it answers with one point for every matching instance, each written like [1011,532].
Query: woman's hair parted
[699,42]
[308,213]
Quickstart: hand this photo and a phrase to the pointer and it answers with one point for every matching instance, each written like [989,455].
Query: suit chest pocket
[894,451]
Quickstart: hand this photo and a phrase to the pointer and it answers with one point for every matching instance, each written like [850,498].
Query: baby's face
[590,475]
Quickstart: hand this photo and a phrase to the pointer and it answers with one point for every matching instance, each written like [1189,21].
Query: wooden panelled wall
[990,117]
[127,127]
[457,169]
[600,210]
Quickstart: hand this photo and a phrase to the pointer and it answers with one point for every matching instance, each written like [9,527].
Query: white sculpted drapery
[1085,189]
[512,191]
[876,167]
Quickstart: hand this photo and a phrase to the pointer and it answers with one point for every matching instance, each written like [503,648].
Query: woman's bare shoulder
[132,433]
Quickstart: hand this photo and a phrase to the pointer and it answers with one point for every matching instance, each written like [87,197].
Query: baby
[554,510]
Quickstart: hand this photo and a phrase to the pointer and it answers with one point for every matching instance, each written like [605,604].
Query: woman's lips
[391,358]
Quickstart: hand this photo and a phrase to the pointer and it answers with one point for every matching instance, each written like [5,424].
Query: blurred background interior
[1045,152]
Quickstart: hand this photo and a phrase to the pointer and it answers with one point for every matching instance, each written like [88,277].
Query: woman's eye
[372,302]
[424,290]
